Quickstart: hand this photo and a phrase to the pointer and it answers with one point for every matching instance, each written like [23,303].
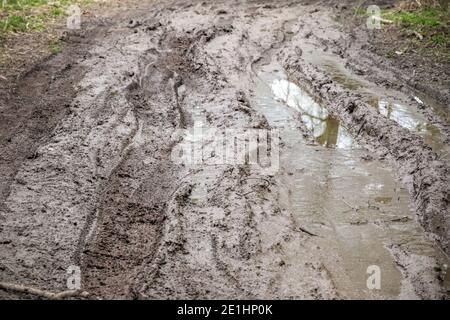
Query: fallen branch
[307,232]
[43,293]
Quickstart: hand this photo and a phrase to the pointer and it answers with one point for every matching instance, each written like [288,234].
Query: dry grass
[412,5]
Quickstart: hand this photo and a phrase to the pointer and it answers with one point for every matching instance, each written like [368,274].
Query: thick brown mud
[94,176]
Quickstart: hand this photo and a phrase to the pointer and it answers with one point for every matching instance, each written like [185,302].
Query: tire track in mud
[32,109]
[132,211]
[158,229]
[184,271]
[174,237]
[44,230]
[268,54]
[68,157]
[418,289]
[92,220]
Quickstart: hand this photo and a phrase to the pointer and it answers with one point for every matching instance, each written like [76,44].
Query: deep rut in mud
[362,178]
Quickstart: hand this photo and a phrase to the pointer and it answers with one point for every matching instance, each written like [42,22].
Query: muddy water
[325,128]
[355,208]
[393,106]
[292,103]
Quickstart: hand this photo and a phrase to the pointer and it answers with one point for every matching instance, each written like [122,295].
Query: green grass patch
[425,18]
[57,12]
[440,39]
[433,23]
[31,15]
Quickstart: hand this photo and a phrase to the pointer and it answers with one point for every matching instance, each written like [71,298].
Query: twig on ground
[43,293]
[307,232]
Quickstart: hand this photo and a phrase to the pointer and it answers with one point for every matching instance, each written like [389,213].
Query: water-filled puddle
[412,120]
[326,129]
[355,207]
[392,105]
[401,115]
[339,75]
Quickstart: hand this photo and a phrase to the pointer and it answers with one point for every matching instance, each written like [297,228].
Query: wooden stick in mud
[43,293]
[307,232]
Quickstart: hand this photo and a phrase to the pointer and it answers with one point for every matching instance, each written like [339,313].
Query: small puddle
[326,129]
[341,76]
[356,207]
[414,121]
[439,109]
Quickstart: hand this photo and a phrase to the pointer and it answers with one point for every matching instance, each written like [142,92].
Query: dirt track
[89,137]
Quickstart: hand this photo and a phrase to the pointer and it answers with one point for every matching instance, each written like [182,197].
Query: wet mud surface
[93,176]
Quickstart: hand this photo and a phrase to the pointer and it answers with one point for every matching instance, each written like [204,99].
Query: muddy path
[100,173]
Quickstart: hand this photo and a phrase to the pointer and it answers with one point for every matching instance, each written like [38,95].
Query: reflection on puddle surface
[326,129]
[412,120]
[340,76]
[400,114]
[356,207]
[406,115]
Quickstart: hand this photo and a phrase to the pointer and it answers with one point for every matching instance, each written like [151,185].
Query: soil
[91,178]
